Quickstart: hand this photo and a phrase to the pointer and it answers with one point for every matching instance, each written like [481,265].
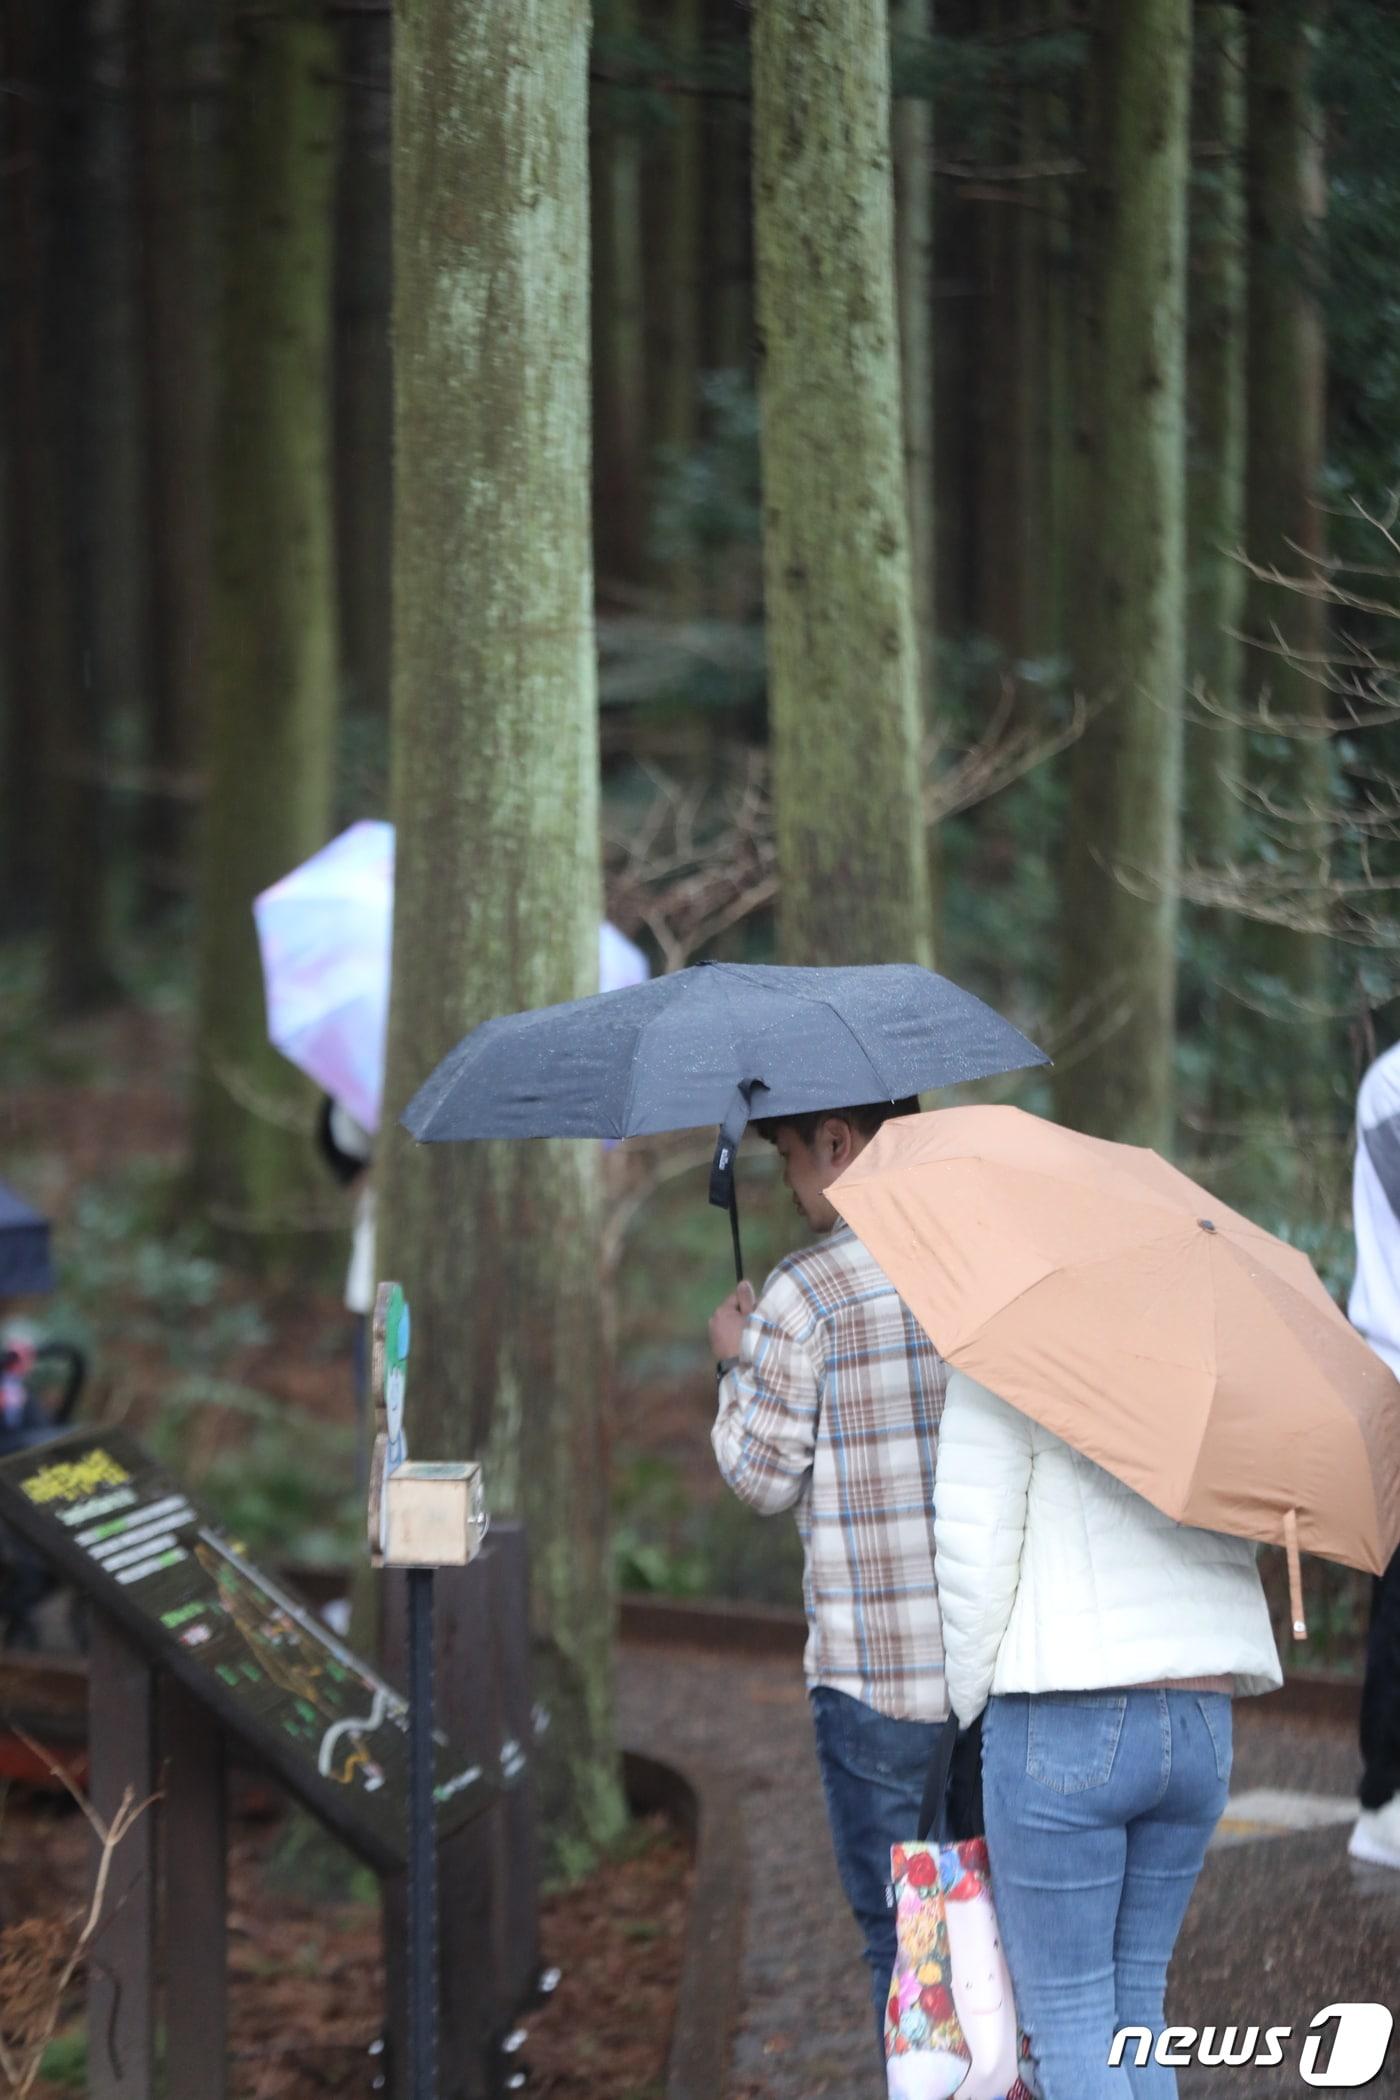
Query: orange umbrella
[1114,1301]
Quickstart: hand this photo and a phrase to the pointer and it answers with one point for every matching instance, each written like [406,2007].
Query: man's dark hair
[864,1120]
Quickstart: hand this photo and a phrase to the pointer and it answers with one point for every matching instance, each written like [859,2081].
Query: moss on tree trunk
[272,626]
[619,339]
[364,412]
[912,146]
[495,795]
[175,190]
[842,655]
[1283,522]
[1216,457]
[1118,974]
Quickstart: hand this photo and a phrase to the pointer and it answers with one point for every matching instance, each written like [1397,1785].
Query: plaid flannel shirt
[832,1409]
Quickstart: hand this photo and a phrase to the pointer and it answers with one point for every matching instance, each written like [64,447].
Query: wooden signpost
[100,1510]
[195,1647]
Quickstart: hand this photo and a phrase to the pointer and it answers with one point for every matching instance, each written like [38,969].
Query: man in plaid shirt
[830,1395]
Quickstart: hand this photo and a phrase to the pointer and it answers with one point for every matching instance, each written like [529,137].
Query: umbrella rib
[818,999]
[865,1053]
[821,999]
[674,978]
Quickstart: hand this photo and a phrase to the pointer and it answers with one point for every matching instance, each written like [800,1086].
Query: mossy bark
[272,628]
[842,653]
[54,792]
[912,146]
[1285,196]
[619,335]
[175,187]
[495,796]
[1216,453]
[1215,480]
[364,412]
[38,612]
[1118,971]
[727,317]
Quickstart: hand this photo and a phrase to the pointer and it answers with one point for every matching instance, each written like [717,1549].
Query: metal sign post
[422,1841]
[421,1517]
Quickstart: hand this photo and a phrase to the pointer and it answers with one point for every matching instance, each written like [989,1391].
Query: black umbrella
[24,1248]
[715,1044]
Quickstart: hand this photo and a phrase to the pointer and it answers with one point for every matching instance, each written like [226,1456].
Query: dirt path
[1281,1925]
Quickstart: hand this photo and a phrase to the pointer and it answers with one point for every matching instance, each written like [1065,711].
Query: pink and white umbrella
[325,933]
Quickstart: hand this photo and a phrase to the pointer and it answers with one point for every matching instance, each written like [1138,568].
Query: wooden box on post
[434,1515]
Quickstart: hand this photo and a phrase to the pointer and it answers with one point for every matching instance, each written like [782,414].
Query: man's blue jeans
[1099,1808]
[873,1771]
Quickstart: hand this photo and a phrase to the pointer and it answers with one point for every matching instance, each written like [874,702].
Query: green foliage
[976,84]
[1000,859]
[65,2061]
[308,1862]
[650,1510]
[668,1541]
[138,1286]
[1357,69]
[361,767]
[286,1490]
[709,499]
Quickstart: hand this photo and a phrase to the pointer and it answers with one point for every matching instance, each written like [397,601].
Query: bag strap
[933,1809]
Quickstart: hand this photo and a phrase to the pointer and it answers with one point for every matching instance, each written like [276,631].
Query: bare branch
[34,1974]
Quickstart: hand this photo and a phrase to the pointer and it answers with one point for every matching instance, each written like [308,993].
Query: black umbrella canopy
[715,1044]
[24,1248]
[673,1053]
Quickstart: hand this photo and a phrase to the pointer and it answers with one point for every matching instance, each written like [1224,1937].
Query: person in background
[1374,1311]
[348,1150]
[1104,1642]
[830,1395]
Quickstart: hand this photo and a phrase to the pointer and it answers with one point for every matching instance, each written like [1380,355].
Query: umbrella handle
[734,1233]
[722,1192]
[1295,1575]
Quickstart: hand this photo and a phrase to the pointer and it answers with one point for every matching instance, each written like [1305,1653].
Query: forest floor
[306,1968]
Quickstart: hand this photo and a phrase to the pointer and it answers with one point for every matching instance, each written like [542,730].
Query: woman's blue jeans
[1099,1808]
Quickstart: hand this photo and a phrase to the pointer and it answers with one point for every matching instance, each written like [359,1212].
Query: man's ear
[839,1139]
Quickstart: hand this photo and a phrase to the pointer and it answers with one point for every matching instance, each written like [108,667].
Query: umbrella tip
[1205,1224]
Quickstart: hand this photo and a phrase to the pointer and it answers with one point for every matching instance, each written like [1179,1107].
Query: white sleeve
[979,1497]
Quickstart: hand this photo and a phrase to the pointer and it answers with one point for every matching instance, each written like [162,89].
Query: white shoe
[1376,1838]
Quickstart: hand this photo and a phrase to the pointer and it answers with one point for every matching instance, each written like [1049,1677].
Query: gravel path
[1280,1926]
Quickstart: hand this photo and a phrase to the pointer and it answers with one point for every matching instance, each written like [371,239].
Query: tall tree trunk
[495,796]
[112,521]
[79,975]
[843,676]
[35,624]
[1216,458]
[728,306]
[1283,521]
[619,327]
[912,143]
[175,182]
[954,431]
[364,412]
[676,359]
[1043,407]
[1118,972]
[1001,520]
[272,638]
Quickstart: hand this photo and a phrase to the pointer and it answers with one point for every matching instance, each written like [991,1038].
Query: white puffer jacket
[1054,1577]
